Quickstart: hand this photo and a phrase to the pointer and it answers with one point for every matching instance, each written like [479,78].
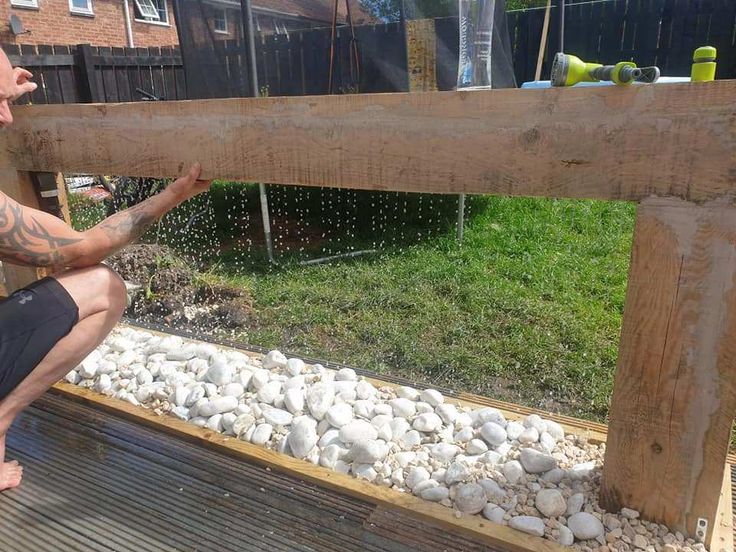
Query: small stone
[547,442]
[403,407]
[640,542]
[554,476]
[346,374]
[512,471]
[550,503]
[406,392]
[339,414]
[555,430]
[365,390]
[276,416]
[493,433]
[528,524]
[329,456]
[415,476]
[368,452]
[357,430]
[319,399]
[494,492]
[493,513]
[476,446]
[537,462]
[234,389]
[218,405]
[268,393]
[435,494]
[427,423]
[262,434]
[458,472]
[444,452]
[273,359]
[513,430]
[364,471]
[294,400]
[585,526]
[575,503]
[448,412]
[432,397]
[464,435]
[669,548]
[628,513]
[529,436]
[215,423]
[488,414]
[260,378]
[566,537]
[303,437]
[294,366]
[405,458]
[220,372]
[411,439]
[470,498]
[399,427]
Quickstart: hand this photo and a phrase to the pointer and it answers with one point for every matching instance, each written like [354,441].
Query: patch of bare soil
[167,291]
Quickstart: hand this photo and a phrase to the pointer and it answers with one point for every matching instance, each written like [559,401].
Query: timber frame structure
[671,148]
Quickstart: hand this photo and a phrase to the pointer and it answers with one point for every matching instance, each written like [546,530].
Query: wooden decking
[94,481]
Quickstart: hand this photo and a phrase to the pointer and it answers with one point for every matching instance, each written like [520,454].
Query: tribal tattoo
[24,240]
[130,224]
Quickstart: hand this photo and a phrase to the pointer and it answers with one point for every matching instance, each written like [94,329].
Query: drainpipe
[128,25]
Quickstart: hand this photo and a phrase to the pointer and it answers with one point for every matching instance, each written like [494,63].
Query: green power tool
[568,70]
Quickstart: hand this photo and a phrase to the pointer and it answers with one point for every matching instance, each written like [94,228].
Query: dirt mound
[169,291]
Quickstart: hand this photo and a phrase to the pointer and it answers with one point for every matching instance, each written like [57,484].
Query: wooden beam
[20,186]
[623,143]
[722,537]
[475,527]
[674,396]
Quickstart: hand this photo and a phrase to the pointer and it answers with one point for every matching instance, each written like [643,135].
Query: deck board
[95,482]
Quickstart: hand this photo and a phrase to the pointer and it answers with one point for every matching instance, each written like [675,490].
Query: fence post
[89,91]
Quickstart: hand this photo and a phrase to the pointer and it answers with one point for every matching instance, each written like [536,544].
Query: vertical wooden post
[89,91]
[674,397]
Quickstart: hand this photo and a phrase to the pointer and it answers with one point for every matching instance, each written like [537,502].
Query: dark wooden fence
[83,73]
[651,32]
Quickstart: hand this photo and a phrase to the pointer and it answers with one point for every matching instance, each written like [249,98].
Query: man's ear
[6,117]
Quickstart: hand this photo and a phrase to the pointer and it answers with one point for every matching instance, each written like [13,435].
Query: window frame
[88,11]
[151,21]
[24,4]
[224,19]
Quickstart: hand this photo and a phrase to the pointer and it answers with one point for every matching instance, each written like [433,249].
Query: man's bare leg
[100,295]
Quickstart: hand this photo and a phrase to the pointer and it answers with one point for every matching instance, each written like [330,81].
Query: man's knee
[95,289]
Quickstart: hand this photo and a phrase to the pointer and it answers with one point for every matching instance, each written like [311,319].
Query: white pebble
[427,423]
[294,400]
[476,446]
[415,476]
[512,471]
[411,439]
[346,374]
[303,437]
[585,526]
[276,416]
[550,503]
[448,412]
[367,452]
[357,430]
[294,366]
[575,503]
[444,452]
[365,390]
[458,472]
[339,414]
[273,359]
[536,462]
[262,434]
[406,392]
[470,498]
[493,513]
[566,537]
[435,494]
[319,399]
[403,407]
[432,396]
[493,433]
[528,524]
[528,436]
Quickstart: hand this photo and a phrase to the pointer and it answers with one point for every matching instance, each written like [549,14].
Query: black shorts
[32,321]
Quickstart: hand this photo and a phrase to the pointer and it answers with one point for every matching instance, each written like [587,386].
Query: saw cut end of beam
[621,143]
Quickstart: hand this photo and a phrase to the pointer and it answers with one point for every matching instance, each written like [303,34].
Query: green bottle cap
[704,53]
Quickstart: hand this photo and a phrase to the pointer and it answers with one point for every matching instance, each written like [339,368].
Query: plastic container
[476,35]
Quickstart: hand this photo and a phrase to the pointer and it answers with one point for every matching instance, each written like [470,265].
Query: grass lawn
[528,309]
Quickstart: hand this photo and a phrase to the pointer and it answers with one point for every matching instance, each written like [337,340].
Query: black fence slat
[67,77]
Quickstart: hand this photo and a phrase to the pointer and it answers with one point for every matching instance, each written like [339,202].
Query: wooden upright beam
[603,143]
[674,397]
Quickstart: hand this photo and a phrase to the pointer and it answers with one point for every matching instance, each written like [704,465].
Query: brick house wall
[53,23]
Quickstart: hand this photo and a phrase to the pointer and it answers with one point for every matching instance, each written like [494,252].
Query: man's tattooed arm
[35,238]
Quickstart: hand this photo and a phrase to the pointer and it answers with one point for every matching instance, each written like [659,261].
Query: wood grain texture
[19,185]
[722,537]
[476,526]
[674,396]
[607,142]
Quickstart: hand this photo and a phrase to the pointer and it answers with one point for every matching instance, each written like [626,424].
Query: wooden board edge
[722,535]
[475,527]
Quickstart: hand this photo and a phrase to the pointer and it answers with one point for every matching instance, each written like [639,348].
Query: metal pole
[460,217]
[265,217]
[561,24]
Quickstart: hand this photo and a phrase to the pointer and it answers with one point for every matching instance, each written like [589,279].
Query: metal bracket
[701,530]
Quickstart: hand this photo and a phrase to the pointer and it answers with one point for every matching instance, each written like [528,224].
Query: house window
[81,7]
[152,11]
[219,20]
[24,3]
